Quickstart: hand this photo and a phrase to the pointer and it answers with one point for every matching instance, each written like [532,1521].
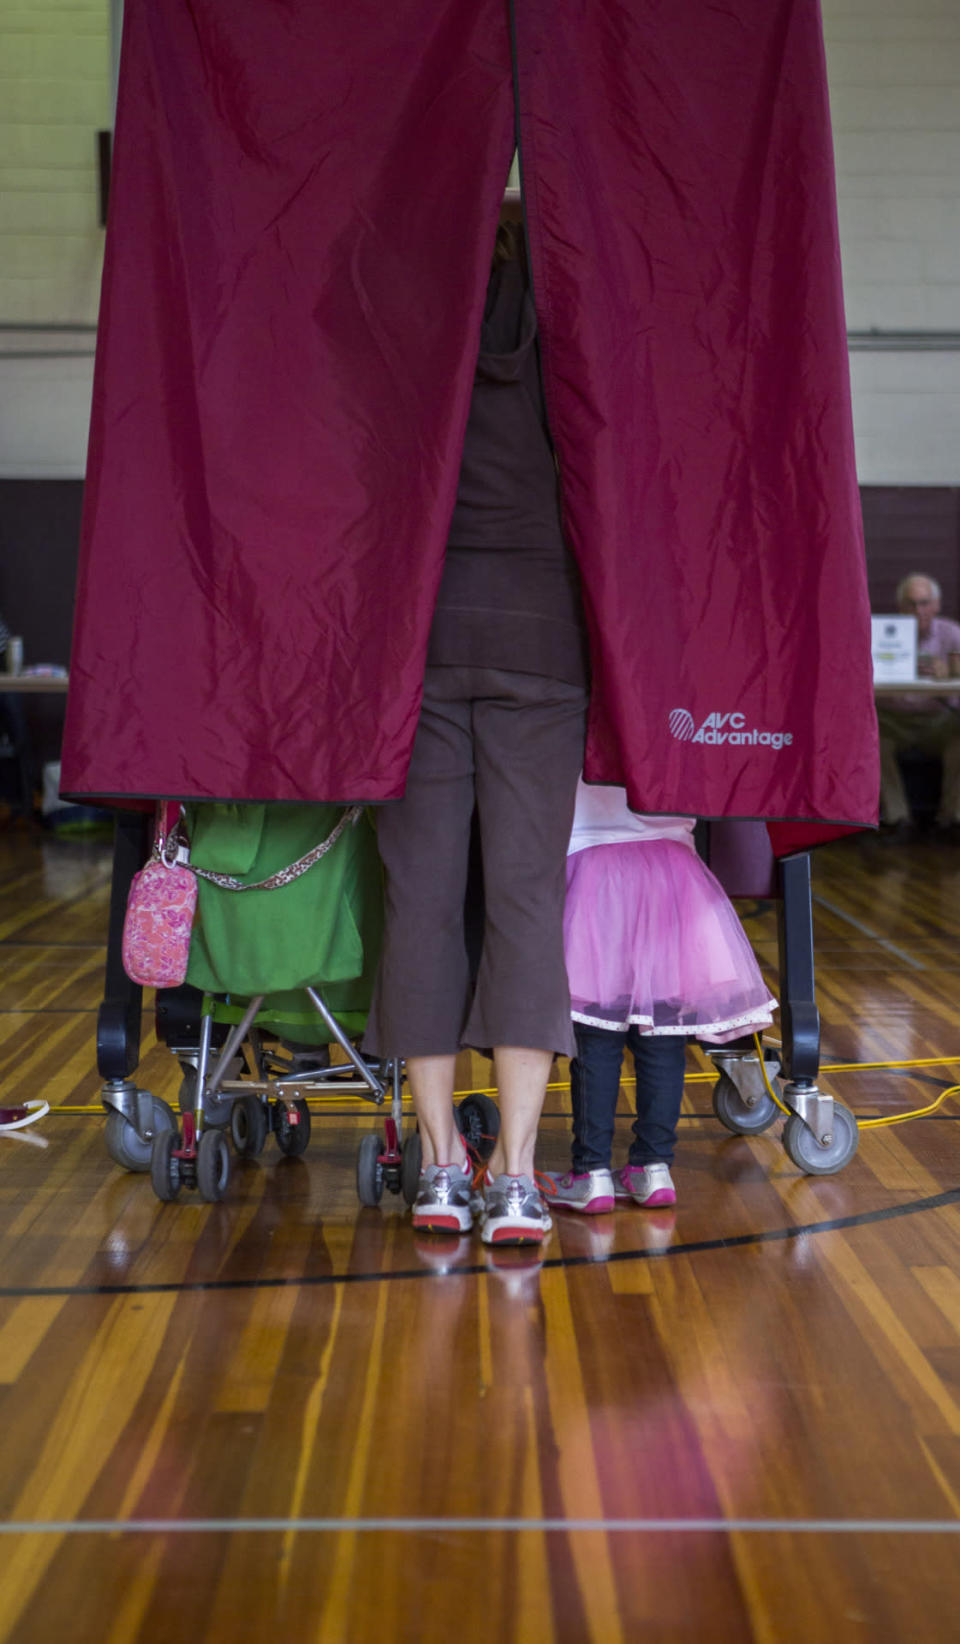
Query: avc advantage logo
[719,728]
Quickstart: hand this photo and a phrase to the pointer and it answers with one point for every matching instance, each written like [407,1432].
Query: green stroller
[284,947]
[283,952]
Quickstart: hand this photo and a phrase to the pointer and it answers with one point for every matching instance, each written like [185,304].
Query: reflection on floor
[738,1420]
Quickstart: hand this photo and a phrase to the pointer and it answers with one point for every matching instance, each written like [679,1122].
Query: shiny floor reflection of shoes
[593,1238]
[442,1252]
[517,1267]
[657,1229]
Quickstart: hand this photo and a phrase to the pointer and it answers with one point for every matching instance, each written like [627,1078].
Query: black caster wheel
[412,1156]
[803,1149]
[478,1121]
[293,1140]
[248,1126]
[213,1165]
[165,1176]
[734,1114]
[126,1146]
[369,1172]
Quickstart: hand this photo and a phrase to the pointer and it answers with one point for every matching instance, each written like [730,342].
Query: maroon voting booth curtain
[302,214]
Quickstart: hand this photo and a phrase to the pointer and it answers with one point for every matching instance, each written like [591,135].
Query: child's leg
[659,1060]
[594,1089]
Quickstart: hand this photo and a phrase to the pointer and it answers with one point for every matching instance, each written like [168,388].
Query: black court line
[741,1241]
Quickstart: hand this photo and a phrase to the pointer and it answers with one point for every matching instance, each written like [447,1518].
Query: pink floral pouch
[156,929]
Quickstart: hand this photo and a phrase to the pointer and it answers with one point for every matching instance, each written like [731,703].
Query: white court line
[470,1526]
[874,935]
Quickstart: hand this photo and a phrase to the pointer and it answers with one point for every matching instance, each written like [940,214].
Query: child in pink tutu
[655,955]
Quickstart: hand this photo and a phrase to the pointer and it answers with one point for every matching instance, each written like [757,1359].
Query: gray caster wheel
[412,1156]
[735,1115]
[248,1126]
[126,1146]
[164,1168]
[803,1149]
[213,1165]
[292,1139]
[478,1121]
[369,1172]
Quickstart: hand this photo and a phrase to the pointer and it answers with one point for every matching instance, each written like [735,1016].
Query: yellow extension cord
[832,1067]
[847,1067]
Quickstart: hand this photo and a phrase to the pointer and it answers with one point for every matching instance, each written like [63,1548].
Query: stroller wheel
[735,1115]
[164,1168]
[213,1165]
[410,1167]
[126,1146]
[478,1121]
[248,1126]
[369,1172]
[292,1139]
[809,1155]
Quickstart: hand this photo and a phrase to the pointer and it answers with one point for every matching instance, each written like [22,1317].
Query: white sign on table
[894,640]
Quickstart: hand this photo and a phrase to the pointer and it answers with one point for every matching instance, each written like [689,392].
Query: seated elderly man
[929,724]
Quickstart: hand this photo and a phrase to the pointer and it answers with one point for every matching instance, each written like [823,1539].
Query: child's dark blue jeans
[595,1087]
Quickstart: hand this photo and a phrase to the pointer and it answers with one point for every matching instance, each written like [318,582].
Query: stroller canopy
[302,214]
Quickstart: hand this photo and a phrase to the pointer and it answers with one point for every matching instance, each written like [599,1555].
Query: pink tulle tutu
[651,940]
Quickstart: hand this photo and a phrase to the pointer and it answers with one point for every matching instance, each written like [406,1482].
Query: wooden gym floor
[288,1417]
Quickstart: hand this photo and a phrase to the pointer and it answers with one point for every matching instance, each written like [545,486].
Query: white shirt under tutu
[603,817]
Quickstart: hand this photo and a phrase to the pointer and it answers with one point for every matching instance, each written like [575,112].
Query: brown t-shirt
[510,593]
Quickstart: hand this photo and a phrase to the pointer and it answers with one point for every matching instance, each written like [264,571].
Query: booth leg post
[118,1021]
[799,1016]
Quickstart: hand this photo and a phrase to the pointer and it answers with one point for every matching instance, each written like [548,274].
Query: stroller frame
[272,1096]
[144,1134]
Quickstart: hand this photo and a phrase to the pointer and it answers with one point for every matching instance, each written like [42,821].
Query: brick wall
[911,528]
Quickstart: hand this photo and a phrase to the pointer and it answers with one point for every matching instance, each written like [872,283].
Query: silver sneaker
[590,1192]
[442,1204]
[513,1212]
[650,1185]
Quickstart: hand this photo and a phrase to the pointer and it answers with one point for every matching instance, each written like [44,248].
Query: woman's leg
[521,1084]
[659,1061]
[422,986]
[431,1086]
[594,1092]
[444,1200]
[528,745]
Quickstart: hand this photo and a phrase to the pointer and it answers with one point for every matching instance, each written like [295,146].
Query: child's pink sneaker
[650,1185]
[591,1192]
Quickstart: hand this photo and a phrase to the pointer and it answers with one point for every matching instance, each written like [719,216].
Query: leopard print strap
[284,876]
